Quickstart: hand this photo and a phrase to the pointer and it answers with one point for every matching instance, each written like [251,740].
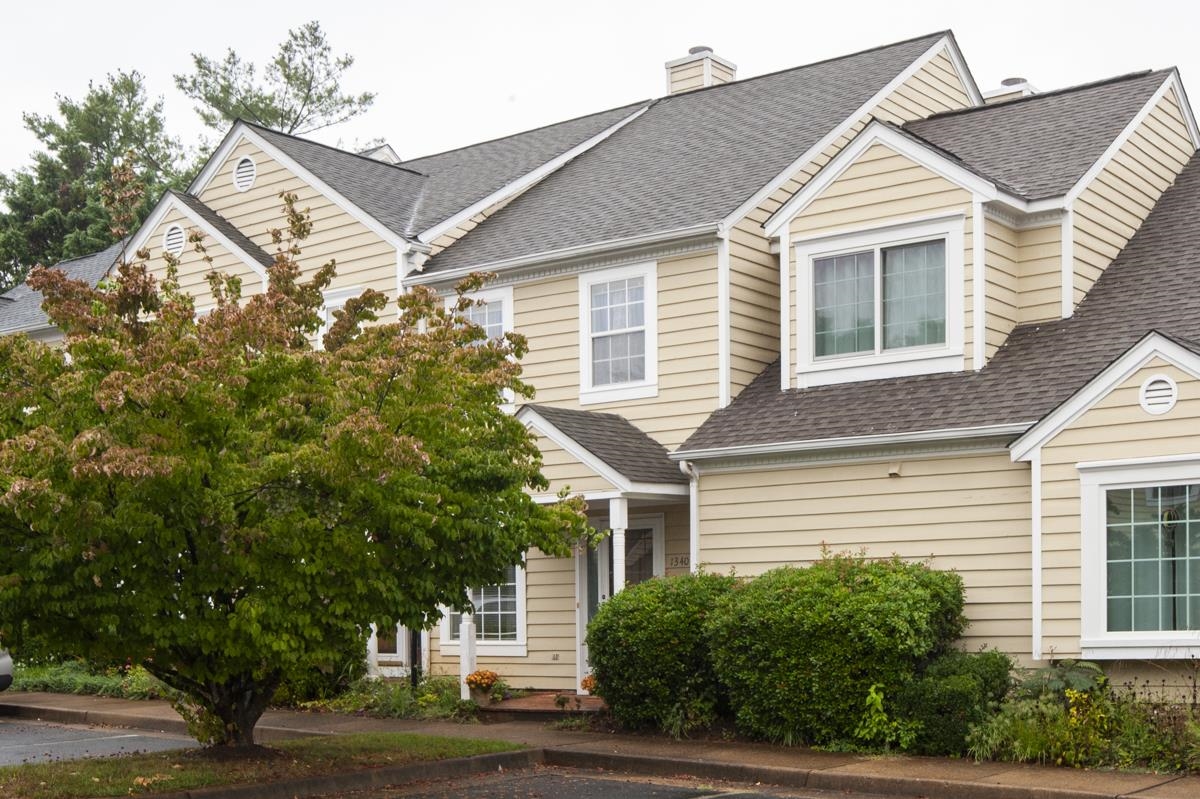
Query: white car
[5,670]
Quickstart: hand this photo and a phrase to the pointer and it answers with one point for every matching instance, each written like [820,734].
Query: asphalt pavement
[23,741]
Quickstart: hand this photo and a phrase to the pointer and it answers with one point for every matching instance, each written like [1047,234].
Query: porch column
[618,521]
[373,654]
[466,654]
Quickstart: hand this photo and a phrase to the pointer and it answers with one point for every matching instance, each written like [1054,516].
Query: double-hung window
[499,617]
[881,303]
[1141,558]
[618,334]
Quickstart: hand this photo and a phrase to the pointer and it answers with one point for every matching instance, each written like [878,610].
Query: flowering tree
[219,501]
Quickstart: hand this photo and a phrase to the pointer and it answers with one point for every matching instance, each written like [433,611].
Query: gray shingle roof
[615,440]
[21,306]
[690,159]
[1154,284]
[387,192]
[225,227]
[414,195]
[1040,146]
[459,178]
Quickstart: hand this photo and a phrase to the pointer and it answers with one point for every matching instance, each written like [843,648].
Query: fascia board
[878,133]
[853,442]
[840,130]
[1152,345]
[581,251]
[534,420]
[169,203]
[525,181]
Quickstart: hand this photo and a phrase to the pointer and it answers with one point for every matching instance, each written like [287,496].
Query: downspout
[689,469]
[1035,479]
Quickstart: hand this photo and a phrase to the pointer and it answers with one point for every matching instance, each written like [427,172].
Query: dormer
[918,249]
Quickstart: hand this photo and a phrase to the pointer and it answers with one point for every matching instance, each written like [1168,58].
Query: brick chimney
[701,67]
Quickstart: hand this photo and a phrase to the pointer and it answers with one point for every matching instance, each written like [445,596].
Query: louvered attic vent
[173,240]
[1158,395]
[244,173]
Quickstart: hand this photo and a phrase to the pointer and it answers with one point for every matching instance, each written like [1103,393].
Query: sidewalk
[656,756]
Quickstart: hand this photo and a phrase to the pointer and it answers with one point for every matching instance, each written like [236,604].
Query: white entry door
[645,557]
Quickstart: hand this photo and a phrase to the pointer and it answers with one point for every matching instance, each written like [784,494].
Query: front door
[645,541]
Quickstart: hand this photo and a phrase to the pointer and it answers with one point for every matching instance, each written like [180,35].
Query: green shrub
[649,654]
[78,677]
[800,648]
[433,698]
[956,691]
[324,682]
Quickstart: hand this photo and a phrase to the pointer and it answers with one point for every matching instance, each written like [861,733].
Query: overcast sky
[452,72]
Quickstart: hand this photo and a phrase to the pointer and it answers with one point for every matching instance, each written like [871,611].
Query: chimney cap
[698,49]
[1013,81]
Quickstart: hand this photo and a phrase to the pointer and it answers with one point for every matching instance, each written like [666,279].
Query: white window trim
[813,371]
[514,648]
[334,301]
[503,295]
[1096,642]
[635,389]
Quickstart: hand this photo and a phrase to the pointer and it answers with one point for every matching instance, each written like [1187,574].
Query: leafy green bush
[956,691]
[433,698]
[1068,714]
[800,648]
[650,655]
[78,677]
[324,682]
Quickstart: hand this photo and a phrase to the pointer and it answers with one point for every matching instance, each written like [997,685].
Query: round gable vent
[244,173]
[1158,394]
[173,240]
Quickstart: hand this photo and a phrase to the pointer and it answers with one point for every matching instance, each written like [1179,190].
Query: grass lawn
[161,772]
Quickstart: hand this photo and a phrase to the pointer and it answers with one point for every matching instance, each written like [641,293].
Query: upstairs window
[618,334]
[880,304]
[904,287]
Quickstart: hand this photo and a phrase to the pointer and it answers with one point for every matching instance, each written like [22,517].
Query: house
[855,304]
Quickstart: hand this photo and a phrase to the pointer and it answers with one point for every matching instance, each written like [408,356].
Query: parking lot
[23,741]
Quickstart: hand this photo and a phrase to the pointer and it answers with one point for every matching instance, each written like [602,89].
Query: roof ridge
[830,60]
[640,103]
[1128,76]
[401,166]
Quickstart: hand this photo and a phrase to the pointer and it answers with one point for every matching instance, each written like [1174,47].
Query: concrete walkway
[657,756]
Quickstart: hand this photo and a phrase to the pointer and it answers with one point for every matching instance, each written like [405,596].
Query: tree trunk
[239,703]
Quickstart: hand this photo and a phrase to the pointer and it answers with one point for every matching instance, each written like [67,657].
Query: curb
[367,778]
[103,718]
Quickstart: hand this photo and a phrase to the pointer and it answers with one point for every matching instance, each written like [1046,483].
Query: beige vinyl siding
[364,260]
[686,77]
[968,513]
[753,301]
[1039,274]
[882,186]
[934,88]
[1114,428]
[1113,206]
[193,268]
[547,313]
[563,470]
[1001,296]
[549,631]
[721,74]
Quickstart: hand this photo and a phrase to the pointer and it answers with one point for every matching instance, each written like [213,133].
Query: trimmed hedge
[650,656]
[800,648]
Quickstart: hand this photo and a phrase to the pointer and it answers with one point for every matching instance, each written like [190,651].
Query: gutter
[578,252]
[849,442]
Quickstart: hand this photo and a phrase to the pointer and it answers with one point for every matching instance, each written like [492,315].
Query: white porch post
[466,654]
[618,521]
[373,653]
